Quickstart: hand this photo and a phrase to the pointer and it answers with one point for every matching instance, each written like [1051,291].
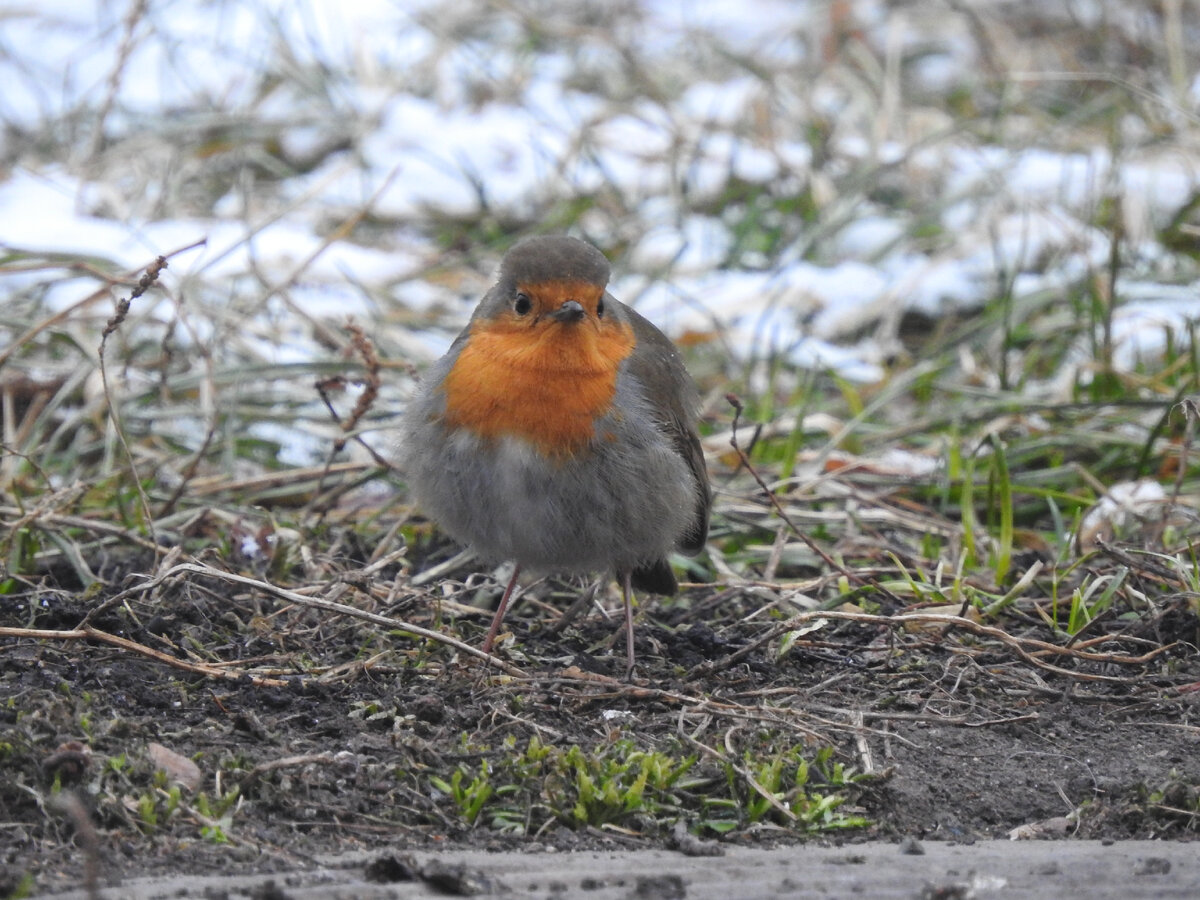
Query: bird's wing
[677,411]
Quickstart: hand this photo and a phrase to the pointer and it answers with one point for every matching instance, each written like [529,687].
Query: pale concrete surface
[1004,870]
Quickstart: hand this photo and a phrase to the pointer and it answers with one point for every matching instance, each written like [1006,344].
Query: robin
[559,431]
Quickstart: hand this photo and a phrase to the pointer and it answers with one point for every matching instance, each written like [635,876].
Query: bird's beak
[570,311]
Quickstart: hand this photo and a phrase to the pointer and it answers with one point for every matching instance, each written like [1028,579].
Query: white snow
[485,127]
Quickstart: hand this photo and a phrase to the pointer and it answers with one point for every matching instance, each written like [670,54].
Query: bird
[559,431]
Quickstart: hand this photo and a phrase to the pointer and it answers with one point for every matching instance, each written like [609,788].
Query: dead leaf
[180,770]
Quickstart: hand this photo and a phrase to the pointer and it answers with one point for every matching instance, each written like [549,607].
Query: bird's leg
[501,609]
[627,590]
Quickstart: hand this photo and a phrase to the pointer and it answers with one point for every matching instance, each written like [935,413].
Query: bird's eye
[522,304]
[600,308]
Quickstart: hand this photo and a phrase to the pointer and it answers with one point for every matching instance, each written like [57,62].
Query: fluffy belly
[598,509]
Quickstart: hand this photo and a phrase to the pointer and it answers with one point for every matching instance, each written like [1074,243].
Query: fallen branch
[87,632]
[1028,649]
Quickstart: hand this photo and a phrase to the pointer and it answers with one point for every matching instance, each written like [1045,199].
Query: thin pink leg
[627,589]
[501,610]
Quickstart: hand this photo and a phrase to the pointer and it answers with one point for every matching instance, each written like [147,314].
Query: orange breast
[547,384]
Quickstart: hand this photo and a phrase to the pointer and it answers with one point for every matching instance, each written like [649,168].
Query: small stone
[660,887]
[1152,865]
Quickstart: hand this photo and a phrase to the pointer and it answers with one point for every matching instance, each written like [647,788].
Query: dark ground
[966,737]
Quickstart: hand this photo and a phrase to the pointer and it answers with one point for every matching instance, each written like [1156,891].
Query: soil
[337,748]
